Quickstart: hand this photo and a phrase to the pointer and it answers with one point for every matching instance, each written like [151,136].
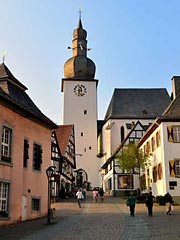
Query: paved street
[108,220]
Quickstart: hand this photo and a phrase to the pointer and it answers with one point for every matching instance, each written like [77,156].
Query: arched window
[122,133]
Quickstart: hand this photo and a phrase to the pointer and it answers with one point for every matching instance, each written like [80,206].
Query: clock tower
[79,90]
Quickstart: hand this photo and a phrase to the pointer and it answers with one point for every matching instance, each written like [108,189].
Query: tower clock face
[80,90]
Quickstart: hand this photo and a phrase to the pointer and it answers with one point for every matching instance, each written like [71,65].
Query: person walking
[131,202]
[149,204]
[79,196]
[95,195]
[101,194]
[84,192]
[168,199]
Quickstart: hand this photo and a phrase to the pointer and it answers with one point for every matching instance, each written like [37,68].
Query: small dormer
[7,79]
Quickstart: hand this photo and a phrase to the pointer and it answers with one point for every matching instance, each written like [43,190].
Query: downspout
[114,172]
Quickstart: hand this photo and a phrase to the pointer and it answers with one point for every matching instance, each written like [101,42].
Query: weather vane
[80,43]
[80,12]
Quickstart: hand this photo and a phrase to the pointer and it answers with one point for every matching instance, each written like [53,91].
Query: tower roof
[79,66]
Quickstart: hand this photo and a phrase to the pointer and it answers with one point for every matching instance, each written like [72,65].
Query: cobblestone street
[108,220]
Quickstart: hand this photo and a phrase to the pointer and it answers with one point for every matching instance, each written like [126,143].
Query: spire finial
[79,14]
[80,7]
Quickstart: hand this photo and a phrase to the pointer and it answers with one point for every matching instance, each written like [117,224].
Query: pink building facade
[25,144]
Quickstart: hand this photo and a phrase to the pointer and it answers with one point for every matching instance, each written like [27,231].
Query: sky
[135,44]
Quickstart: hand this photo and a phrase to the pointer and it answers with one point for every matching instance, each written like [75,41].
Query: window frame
[35,204]
[6,144]
[25,153]
[125,179]
[122,135]
[155,173]
[177,166]
[4,200]
[158,139]
[176,134]
[37,156]
[153,146]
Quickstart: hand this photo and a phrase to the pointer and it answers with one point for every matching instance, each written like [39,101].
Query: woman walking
[95,195]
[131,202]
[79,196]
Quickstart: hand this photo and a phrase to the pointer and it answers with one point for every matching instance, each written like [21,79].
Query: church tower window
[122,133]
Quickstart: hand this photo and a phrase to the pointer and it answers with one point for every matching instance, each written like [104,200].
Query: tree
[131,157]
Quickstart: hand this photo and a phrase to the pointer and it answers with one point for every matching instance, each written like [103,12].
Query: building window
[176,133]
[158,139]
[82,134]
[155,174]
[177,168]
[148,179]
[37,157]
[26,153]
[4,199]
[160,172]
[152,144]
[6,144]
[148,147]
[125,181]
[143,182]
[122,133]
[35,204]
[85,112]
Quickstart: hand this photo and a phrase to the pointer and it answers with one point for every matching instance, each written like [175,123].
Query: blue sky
[135,44]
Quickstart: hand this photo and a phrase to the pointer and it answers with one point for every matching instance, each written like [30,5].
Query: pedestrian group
[131,202]
[98,195]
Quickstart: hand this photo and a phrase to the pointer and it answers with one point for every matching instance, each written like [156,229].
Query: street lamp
[49,173]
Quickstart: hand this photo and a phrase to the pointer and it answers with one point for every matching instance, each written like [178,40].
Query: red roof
[63,133]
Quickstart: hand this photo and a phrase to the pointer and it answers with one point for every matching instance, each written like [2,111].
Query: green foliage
[131,157]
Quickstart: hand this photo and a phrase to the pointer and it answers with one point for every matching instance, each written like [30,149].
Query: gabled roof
[137,103]
[14,97]
[63,133]
[171,114]
[134,128]
[173,110]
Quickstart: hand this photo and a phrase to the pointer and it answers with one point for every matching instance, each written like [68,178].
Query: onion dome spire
[79,66]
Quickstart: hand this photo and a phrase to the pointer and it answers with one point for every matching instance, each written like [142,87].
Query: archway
[82,178]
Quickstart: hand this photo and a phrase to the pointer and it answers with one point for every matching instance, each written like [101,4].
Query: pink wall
[21,179]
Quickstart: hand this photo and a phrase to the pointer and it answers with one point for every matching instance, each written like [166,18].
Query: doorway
[24,208]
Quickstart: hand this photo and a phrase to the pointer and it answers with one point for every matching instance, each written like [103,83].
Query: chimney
[175,86]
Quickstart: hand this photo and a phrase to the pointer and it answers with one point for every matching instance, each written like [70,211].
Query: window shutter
[172,170]
[170,133]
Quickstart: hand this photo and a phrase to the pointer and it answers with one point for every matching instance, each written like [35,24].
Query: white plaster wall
[112,137]
[73,113]
[171,152]
[158,188]
[165,152]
